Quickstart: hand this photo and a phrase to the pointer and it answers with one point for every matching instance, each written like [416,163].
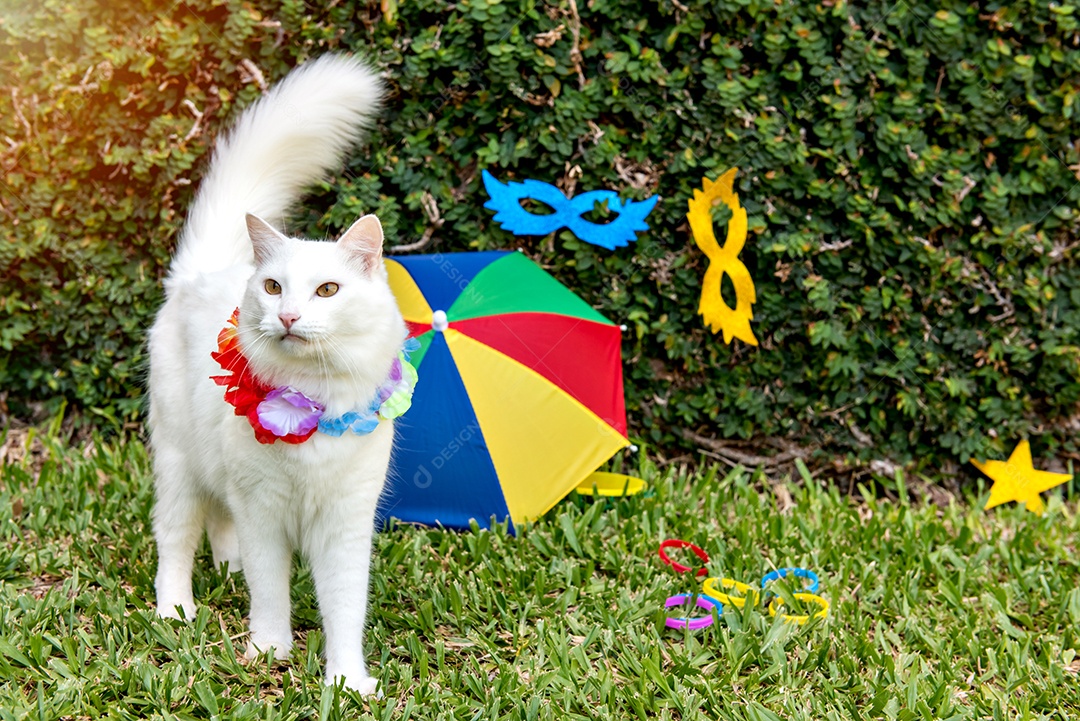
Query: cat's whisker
[323,363]
[355,372]
[259,342]
[337,347]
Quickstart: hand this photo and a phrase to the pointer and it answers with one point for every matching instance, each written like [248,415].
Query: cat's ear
[265,239]
[363,242]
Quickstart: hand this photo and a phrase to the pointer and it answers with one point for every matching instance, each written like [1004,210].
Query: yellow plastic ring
[610,484]
[747,591]
[808,598]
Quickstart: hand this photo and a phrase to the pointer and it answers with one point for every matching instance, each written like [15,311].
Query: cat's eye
[272,286]
[326,290]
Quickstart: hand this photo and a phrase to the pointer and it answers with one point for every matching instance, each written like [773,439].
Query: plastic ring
[714,601]
[807,597]
[797,573]
[747,591]
[690,623]
[675,543]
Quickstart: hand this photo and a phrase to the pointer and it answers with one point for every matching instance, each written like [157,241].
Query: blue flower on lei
[360,423]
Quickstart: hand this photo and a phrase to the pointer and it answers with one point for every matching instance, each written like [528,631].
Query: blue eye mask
[619,232]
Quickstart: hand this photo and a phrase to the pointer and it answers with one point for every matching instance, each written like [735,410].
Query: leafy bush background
[909,170]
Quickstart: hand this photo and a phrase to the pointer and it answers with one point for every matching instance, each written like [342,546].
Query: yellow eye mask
[735,322]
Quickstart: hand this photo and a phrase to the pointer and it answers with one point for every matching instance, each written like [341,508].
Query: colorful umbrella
[520,394]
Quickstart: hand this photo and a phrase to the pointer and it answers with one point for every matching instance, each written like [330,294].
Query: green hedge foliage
[909,169]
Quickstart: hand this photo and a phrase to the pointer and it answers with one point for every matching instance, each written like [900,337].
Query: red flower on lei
[243,390]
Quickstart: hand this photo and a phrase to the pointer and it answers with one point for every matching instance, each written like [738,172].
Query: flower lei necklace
[286,414]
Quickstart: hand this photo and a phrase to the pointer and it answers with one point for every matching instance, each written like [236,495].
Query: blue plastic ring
[797,572]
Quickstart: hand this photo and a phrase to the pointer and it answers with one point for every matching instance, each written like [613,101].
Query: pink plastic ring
[676,543]
[691,623]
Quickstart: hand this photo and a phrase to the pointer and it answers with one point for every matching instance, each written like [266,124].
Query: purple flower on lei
[286,411]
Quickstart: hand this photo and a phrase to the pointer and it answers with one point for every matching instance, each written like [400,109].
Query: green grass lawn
[937,612]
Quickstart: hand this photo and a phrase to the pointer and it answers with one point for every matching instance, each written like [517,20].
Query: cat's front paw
[180,609]
[357,681]
[257,647]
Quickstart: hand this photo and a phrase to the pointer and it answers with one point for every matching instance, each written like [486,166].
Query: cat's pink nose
[287,319]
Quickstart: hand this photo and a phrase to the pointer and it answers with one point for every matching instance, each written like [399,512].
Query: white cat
[316,317]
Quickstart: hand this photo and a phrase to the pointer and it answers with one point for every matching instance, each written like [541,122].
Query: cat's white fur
[260,503]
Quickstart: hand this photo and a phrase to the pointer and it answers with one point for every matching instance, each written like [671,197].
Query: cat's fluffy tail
[291,138]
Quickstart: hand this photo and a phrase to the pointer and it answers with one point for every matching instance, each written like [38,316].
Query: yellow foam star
[735,322]
[1017,480]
